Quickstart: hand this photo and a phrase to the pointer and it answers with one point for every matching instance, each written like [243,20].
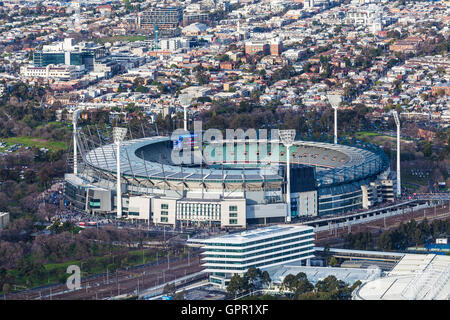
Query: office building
[69,53]
[225,256]
[163,17]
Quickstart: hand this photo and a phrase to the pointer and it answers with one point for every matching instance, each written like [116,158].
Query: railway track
[117,283]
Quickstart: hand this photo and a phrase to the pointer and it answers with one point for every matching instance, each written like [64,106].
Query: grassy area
[380,139]
[129,38]
[366,134]
[36,142]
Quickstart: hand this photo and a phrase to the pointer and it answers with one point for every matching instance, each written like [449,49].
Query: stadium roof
[335,163]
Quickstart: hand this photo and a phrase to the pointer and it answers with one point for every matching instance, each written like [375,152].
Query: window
[164,213]
[233,221]
[164,206]
[164,219]
[233,215]
[232,208]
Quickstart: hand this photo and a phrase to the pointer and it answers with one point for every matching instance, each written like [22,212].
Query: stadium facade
[230,183]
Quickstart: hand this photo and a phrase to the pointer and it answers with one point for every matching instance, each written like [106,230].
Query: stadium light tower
[75,116]
[287,139]
[335,100]
[185,101]
[118,136]
[397,123]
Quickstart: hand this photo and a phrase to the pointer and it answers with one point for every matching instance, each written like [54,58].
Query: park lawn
[129,38]
[366,134]
[380,139]
[37,142]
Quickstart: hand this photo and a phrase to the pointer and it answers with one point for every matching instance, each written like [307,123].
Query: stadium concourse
[231,183]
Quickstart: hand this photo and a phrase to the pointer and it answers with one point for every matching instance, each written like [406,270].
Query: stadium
[226,183]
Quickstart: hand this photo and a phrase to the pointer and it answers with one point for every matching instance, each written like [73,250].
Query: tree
[333,262]
[265,278]
[169,289]
[237,285]
[427,149]
[252,276]
[303,286]
[179,295]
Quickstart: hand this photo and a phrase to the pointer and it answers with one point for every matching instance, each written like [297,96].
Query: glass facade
[281,244]
[43,59]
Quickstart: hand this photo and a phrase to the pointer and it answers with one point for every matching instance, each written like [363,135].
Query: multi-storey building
[163,17]
[60,72]
[66,52]
[225,256]
[256,47]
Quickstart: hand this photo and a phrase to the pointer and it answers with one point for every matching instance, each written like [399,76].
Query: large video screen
[186,142]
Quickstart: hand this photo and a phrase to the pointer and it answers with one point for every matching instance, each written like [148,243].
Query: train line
[130,281]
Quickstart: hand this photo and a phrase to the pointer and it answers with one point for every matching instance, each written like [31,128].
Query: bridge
[364,216]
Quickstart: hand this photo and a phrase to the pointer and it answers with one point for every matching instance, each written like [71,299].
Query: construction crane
[156,26]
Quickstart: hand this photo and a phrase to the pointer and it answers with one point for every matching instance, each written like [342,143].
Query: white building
[225,256]
[173,44]
[60,72]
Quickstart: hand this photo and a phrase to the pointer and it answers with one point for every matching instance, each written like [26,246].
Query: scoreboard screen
[186,142]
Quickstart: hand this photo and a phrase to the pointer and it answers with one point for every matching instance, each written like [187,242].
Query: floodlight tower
[75,116]
[397,123]
[185,101]
[334,100]
[118,136]
[335,124]
[185,117]
[287,139]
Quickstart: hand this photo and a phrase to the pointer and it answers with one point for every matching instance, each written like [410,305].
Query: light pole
[118,136]
[185,101]
[75,115]
[335,124]
[287,139]
[399,185]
